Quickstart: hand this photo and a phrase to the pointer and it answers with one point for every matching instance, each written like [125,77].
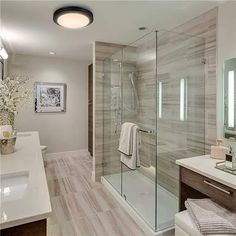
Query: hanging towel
[126,139]
[129,145]
[211,218]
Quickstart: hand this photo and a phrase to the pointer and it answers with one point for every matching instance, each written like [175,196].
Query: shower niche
[158,83]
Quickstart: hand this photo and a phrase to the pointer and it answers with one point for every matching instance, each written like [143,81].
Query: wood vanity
[25,201]
[199,179]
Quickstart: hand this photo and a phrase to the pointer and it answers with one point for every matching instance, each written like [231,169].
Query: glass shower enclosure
[158,83]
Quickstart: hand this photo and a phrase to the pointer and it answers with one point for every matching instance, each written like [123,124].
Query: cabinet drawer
[222,194]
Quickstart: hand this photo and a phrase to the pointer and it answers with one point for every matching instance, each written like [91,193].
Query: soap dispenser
[230,160]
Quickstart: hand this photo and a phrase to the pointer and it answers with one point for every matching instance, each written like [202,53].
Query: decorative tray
[221,166]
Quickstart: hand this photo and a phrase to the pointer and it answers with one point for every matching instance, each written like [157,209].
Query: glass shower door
[112,119]
[139,107]
[181,114]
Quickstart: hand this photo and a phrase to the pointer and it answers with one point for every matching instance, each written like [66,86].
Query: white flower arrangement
[13,92]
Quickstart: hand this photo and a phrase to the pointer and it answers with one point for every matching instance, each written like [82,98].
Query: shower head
[131,77]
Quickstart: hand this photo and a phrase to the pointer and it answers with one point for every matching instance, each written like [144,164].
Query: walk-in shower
[157,82]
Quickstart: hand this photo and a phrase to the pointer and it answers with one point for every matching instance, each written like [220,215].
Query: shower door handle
[146,131]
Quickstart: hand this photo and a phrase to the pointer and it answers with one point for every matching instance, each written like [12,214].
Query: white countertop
[205,165]
[24,191]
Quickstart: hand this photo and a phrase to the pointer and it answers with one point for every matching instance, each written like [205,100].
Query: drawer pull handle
[219,188]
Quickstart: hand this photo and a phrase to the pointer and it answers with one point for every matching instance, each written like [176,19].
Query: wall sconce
[231,99]
[183,100]
[160,100]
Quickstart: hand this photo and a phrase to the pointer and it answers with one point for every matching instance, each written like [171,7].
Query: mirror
[229,99]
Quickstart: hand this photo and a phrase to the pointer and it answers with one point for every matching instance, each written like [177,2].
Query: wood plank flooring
[80,206]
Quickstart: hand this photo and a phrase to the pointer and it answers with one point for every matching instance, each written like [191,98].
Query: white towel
[126,139]
[129,145]
[211,218]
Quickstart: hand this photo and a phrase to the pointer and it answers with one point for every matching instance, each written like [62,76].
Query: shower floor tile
[140,194]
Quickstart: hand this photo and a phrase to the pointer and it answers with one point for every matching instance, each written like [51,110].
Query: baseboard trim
[61,154]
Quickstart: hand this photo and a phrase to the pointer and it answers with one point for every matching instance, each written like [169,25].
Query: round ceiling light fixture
[73,17]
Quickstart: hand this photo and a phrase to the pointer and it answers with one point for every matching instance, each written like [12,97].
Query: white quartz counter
[24,191]
[205,165]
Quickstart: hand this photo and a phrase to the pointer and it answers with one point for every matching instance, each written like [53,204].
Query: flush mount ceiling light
[52,53]
[73,17]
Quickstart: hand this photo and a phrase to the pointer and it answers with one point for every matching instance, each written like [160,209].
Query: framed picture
[50,97]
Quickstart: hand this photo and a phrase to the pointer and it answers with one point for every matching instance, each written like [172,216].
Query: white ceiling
[28,28]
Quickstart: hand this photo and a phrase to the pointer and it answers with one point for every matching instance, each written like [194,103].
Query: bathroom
[165,77]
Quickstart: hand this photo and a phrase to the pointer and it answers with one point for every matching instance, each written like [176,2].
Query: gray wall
[59,131]
[205,26]
[179,56]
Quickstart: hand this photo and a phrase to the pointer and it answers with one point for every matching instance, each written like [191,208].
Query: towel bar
[146,131]
[219,188]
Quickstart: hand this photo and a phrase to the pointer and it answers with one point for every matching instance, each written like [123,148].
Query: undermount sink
[13,186]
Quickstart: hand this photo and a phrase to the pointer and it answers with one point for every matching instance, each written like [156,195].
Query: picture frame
[50,97]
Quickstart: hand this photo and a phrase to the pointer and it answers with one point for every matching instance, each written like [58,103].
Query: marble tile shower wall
[206,26]
[112,115]
[119,106]
[102,51]
[179,56]
[177,140]
[147,92]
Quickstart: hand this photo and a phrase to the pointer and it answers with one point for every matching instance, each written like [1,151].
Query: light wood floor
[81,207]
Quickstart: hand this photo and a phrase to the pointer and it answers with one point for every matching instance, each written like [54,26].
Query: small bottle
[230,158]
